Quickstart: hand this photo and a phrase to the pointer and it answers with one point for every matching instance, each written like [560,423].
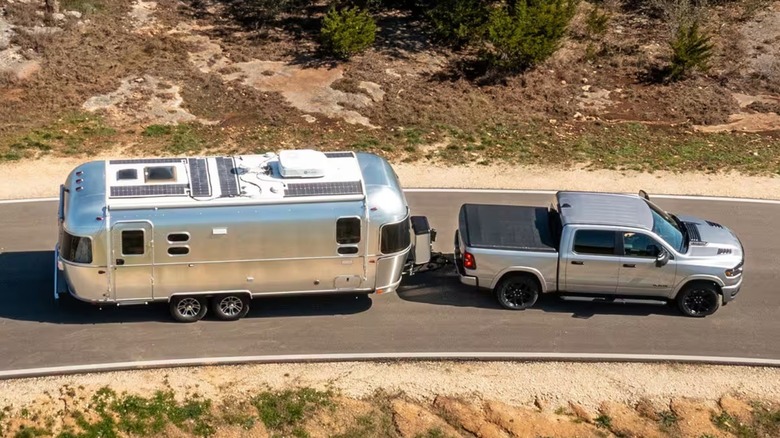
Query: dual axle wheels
[227,307]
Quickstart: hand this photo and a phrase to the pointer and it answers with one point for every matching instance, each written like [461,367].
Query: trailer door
[133,261]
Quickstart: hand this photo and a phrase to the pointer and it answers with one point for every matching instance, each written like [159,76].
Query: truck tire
[698,300]
[230,307]
[188,308]
[517,292]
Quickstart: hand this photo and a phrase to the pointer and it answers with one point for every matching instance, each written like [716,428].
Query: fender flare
[519,269]
[697,277]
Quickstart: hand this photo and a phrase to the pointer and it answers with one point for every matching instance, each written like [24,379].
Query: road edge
[499,191]
[387,357]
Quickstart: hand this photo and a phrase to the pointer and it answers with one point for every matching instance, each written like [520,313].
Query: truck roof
[587,208]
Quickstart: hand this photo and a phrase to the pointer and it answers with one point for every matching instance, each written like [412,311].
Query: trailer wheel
[517,292]
[188,308]
[230,307]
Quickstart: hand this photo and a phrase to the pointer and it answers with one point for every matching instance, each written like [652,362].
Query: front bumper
[730,292]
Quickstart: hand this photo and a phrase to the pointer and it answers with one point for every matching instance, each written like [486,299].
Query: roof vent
[305,163]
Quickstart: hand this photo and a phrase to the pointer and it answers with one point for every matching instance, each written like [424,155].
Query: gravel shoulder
[403,399]
[42,177]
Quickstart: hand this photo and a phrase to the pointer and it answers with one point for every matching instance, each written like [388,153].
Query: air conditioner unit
[304,163]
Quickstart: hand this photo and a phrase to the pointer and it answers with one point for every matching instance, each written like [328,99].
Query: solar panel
[199,177]
[149,190]
[147,161]
[339,154]
[324,189]
[228,180]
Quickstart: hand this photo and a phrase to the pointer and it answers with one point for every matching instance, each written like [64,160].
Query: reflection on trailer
[214,232]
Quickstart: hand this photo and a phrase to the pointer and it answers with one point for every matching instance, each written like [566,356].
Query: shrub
[596,22]
[526,32]
[691,50]
[347,32]
[459,21]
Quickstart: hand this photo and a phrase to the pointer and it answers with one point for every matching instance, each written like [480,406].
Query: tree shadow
[442,287]
[27,294]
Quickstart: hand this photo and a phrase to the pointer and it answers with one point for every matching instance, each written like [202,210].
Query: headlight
[734,272]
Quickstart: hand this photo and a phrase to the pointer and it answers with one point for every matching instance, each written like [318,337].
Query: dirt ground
[432,399]
[101,76]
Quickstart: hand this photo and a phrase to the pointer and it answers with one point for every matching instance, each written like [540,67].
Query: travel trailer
[208,234]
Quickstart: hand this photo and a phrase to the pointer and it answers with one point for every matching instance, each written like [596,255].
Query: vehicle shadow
[26,293]
[442,287]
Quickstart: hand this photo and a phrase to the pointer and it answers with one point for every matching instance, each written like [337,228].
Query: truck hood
[711,239]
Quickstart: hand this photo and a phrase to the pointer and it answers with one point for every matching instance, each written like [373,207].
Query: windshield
[665,226]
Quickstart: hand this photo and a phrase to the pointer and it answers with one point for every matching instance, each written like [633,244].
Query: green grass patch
[157,130]
[178,139]
[72,134]
[432,433]
[121,415]
[668,419]
[285,411]
[603,421]
[726,422]
[83,6]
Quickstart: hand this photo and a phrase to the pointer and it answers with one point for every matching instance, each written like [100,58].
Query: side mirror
[643,194]
[662,259]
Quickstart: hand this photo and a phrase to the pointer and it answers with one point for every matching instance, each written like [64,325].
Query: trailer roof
[585,208]
[289,176]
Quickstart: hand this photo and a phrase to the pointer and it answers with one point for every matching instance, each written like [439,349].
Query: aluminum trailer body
[214,232]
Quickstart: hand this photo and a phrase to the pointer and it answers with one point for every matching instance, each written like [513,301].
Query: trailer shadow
[442,287]
[26,294]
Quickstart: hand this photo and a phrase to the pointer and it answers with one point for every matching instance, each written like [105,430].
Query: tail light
[468,261]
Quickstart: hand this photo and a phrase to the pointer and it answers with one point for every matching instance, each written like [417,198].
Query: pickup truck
[598,245]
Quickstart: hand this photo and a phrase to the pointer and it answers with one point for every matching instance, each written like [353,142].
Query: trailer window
[76,249]
[598,242]
[348,230]
[133,242]
[395,237]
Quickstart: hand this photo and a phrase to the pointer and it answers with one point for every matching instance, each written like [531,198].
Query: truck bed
[508,227]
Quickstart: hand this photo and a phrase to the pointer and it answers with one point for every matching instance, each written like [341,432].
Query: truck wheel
[230,307]
[698,300]
[188,308]
[517,292]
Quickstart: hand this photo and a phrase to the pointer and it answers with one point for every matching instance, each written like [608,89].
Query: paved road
[432,312]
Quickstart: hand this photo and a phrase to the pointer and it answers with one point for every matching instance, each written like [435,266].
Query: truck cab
[598,245]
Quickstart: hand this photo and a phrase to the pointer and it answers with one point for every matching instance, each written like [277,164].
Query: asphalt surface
[432,312]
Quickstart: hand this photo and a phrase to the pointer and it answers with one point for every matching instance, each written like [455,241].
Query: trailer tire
[230,307]
[188,308]
[698,299]
[517,292]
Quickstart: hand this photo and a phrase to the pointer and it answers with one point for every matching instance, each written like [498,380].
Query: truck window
[76,249]
[639,245]
[600,242]
[133,242]
[347,230]
[395,237]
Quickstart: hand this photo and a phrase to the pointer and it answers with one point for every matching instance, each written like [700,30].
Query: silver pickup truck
[598,245]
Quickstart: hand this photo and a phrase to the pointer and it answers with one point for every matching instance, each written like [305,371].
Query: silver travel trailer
[210,233]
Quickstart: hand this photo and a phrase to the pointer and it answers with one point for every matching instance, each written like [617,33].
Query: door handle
[577,263]
[629,265]
[120,261]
